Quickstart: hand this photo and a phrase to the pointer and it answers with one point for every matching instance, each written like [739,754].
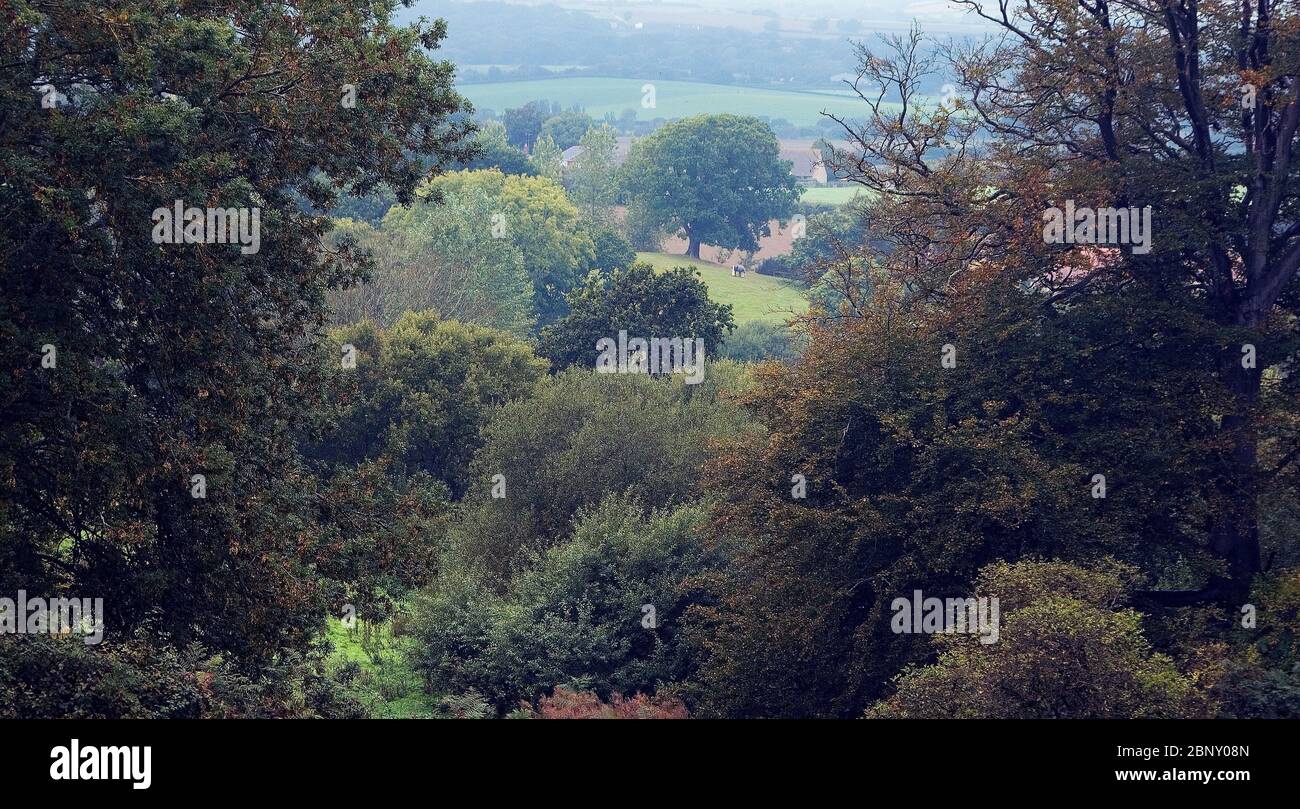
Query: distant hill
[664,45]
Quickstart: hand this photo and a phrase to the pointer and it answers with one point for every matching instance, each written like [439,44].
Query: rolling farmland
[673,99]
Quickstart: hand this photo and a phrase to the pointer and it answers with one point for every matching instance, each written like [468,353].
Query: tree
[1188,108]
[495,152]
[379,522]
[643,233]
[567,128]
[148,456]
[439,256]
[592,178]
[672,304]
[718,178]
[369,209]
[1066,649]
[578,427]
[613,253]
[533,214]
[546,158]
[913,473]
[524,124]
[576,618]
[421,393]
[137,678]
[828,237]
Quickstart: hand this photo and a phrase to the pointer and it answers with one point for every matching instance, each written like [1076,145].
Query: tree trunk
[692,246]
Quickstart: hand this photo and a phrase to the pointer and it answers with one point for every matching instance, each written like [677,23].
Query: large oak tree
[1188,107]
[718,178]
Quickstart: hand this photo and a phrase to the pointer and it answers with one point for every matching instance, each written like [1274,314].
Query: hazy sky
[876,15]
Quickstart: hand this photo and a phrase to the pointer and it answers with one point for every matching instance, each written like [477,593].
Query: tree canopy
[1187,111]
[718,178]
[641,302]
[534,215]
[439,256]
[1089,446]
[170,361]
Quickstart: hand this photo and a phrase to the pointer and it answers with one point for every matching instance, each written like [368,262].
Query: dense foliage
[533,215]
[421,392]
[168,361]
[641,302]
[580,437]
[601,610]
[717,178]
[440,257]
[445,506]
[1067,650]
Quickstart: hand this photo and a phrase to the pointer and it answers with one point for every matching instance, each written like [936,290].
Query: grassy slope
[390,689]
[673,99]
[830,195]
[754,297]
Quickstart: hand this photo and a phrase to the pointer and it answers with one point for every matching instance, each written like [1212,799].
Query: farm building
[622,146]
[805,161]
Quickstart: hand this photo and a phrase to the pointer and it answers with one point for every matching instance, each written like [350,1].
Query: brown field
[780,243]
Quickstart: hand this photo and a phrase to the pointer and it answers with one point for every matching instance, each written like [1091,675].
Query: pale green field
[829,195]
[754,297]
[673,99]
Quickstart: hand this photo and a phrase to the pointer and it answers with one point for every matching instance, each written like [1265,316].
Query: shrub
[52,677]
[756,341]
[577,618]
[469,705]
[568,704]
[1065,650]
[580,437]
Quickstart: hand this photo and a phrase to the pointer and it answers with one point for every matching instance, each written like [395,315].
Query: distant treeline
[489,34]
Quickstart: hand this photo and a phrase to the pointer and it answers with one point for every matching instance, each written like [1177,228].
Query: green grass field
[754,297]
[673,99]
[830,195]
